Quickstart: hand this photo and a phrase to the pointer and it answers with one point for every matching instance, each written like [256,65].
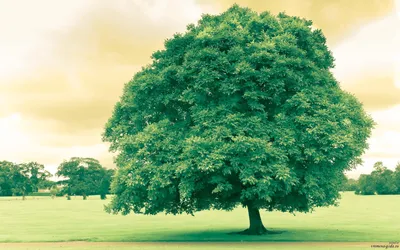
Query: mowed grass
[191,247]
[42,219]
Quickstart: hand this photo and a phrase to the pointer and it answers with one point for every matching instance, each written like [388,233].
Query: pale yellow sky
[63,65]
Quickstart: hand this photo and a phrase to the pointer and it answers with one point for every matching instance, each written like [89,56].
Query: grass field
[185,247]
[41,219]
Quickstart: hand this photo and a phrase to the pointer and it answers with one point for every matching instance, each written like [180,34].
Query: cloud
[366,63]
[63,77]
[397,53]
[10,135]
[75,100]
[388,119]
[61,71]
[24,29]
[384,142]
[21,142]
[82,77]
[376,91]
[370,49]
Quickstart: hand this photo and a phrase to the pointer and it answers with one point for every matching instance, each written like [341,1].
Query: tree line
[381,181]
[78,176]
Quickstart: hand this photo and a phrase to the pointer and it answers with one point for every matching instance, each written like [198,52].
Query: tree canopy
[241,109]
[381,181]
[21,179]
[84,176]
[348,184]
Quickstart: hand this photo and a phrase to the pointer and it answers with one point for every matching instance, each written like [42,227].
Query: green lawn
[161,247]
[41,219]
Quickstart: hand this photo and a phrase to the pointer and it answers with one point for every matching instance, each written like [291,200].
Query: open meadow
[42,219]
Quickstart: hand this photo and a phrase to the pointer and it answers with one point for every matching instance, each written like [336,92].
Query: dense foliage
[348,184]
[84,176]
[21,179]
[381,181]
[242,109]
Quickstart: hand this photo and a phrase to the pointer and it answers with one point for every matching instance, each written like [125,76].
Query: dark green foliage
[351,185]
[240,110]
[37,175]
[106,178]
[6,185]
[381,181]
[397,178]
[366,185]
[47,184]
[84,176]
[348,184]
[56,191]
[21,179]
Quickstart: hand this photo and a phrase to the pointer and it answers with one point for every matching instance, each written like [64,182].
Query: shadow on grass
[277,235]
[266,233]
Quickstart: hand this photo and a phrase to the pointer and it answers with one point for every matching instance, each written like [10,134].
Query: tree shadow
[269,231]
[276,235]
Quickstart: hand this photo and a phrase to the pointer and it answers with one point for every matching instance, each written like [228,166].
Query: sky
[63,65]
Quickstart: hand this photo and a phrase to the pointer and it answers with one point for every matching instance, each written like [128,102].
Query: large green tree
[241,109]
[84,176]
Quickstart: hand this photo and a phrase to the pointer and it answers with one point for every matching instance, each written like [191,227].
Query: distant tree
[46,184]
[366,185]
[83,176]
[6,184]
[36,174]
[351,185]
[397,177]
[21,185]
[383,179]
[379,167]
[242,109]
[106,183]
[398,167]
[54,191]
[21,179]
[385,182]
[348,184]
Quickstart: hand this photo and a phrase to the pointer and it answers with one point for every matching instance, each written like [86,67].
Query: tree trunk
[256,225]
[84,196]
